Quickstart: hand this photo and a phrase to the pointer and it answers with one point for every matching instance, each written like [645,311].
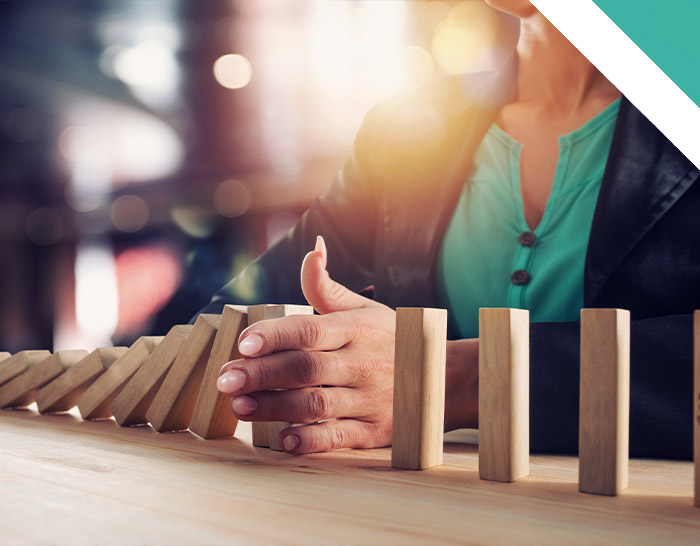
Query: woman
[536,185]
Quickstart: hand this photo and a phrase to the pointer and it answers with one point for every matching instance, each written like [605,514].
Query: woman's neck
[553,72]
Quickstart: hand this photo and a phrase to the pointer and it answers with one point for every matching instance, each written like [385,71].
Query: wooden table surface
[66,481]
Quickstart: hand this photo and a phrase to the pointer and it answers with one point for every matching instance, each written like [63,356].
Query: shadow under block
[95,402]
[174,402]
[605,401]
[21,390]
[62,393]
[265,433]
[212,417]
[16,364]
[696,406]
[132,403]
[504,397]
[419,388]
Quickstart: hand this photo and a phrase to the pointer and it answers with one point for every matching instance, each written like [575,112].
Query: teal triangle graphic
[667,31]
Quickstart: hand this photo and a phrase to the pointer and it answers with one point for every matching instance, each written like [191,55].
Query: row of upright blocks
[419,395]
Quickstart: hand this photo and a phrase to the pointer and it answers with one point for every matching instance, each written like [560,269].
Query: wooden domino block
[696,406]
[174,403]
[265,434]
[419,388]
[131,404]
[62,393]
[16,364]
[504,397]
[605,401]
[4,356]
[95,402]
[21,390]
[212,417]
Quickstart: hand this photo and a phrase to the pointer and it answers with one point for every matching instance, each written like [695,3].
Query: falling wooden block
[265,433]
[16,364]
[696,406]
[131,404]
[21,390]
[212,417]
[504,397]
[605,401]
[95,402]
[62,393]
[174,402]
[419,388]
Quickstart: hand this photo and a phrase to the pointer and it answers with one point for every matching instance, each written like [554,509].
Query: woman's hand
[348,349]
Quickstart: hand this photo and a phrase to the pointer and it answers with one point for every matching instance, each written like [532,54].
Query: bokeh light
[233,71]
[231,198]
[129,213]
[44,226]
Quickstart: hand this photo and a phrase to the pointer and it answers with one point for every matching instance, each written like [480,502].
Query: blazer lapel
[644,177]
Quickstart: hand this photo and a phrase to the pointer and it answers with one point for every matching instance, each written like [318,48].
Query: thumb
[323,293]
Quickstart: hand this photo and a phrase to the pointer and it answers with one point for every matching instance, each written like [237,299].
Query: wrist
[462,384]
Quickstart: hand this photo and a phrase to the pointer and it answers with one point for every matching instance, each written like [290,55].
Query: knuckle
[318,405]
[338,438]
[310,333]
[308,368]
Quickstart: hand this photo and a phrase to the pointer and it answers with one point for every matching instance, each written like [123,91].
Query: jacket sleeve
[345,215]
[661,387]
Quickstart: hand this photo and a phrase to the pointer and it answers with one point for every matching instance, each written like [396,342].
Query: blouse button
[527,238]
[520,277]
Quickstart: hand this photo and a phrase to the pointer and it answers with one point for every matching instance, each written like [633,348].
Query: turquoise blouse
[489,257]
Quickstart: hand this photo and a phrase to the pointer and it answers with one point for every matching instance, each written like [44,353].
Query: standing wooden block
[696,406]
[4,356]
[16,364]
[504,397]
[265,433]
[212,417]
[419,388]
[132,403]
[174,403]
[94,403]
[21,390]
[605,401]
[62,393]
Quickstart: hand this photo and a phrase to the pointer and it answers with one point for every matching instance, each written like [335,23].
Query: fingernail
[231,381]
[244,405]
[290,442]
[250,345]
[321,247]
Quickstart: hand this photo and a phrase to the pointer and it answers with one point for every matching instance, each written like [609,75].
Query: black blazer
[385,214]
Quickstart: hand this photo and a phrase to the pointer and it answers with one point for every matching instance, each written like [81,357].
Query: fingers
[298,405]
[322,292]
[331,435]
[286,370]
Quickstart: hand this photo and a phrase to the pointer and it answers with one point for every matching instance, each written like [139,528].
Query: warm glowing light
[148,64]
[129,213]
[468,31]
[231,198]
[417,63]
[233,71]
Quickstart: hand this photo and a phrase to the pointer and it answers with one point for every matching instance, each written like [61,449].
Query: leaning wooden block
[265,434]
[504,397]
[696,406]
[132,403]
[605,401]
[62,393]
[21,390]
[174,402]
[212,417]
[419,388]
[16,364]
[94,403]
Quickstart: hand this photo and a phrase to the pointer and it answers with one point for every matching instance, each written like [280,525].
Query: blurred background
[150,149]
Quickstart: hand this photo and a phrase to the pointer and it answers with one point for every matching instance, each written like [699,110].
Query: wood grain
[696,407]
[212,417]
[174,403]
[62,393]
[605,401]
[132,402]
[97,483]
[419,388]
[504,394]
[95,402]
[265,433]
[21,391]
[16,364]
